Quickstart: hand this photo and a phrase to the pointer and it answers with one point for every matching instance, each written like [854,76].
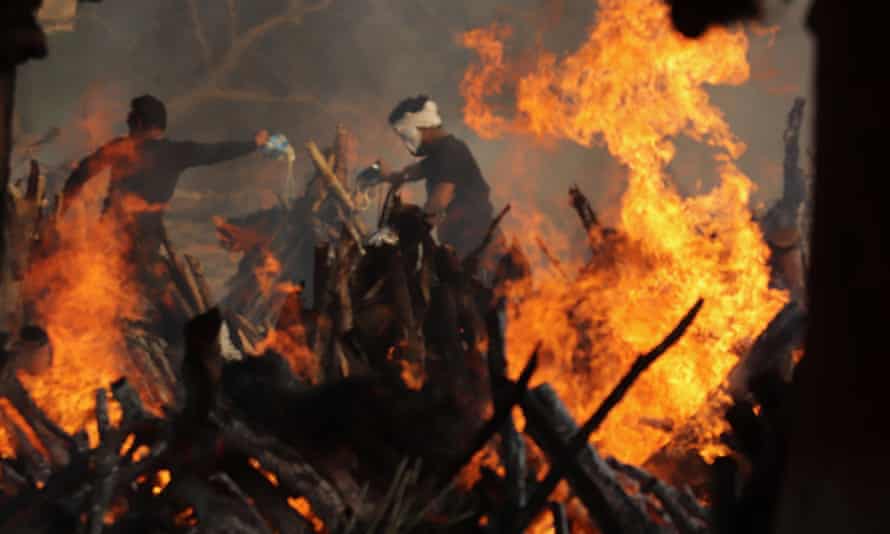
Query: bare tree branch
[233,18]
[244,95]
[214,86]
[321,5]
[200,35]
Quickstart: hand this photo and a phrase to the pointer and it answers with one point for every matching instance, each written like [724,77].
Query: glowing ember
[270,476]
[634,85]
[302,506]
[140,453]
[412,374]
[487,457]
[162,480]
[127,444]
[186,518]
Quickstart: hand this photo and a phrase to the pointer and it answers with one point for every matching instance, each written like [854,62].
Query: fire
[162,480]
[186,518]
[288,338]
[9,415]
[269,475]
[238,239]
[82,292]
[633,86]
[267,272]
[302,506]
[487,457]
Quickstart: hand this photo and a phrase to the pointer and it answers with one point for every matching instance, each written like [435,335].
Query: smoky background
[351,61]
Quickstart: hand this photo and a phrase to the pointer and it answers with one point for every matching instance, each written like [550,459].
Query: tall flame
[82,291]
[633,86]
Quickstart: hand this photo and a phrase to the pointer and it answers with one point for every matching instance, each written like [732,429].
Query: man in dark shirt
[145,168]
[458,201]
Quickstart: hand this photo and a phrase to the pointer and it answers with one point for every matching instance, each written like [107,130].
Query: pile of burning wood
[370,410]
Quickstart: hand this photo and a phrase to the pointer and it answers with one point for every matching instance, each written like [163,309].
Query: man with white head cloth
[458,203]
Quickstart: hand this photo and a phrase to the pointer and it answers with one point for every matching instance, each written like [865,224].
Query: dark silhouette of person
[145,167]
[458,202]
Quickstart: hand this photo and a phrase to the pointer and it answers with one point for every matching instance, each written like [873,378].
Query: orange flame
[302,506]
[269,475]
[82,292]
[633,86]
[289,340]
[162,480]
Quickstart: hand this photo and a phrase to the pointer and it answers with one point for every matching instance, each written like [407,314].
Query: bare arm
[411,173]
[437,202]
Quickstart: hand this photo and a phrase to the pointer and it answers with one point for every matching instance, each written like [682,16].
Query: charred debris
[358,404]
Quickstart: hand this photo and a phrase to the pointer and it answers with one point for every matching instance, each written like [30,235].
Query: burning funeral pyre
[367,379]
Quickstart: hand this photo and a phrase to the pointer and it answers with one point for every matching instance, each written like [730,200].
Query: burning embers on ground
[282,417]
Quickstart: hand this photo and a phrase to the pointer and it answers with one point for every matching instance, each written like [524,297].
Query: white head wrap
[408,127]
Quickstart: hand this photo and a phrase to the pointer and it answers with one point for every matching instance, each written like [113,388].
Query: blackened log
[724,513]
[551,425]
[400,297]
[129,400]
[560,519]
[580,439]
[320,276]
[294,474]
[513,395]
[471,262]
[771,351]
[11,481]
[513,450]
[224,480]
[793,183]
[270,501]
[672,501]
[106,463]
[588,217]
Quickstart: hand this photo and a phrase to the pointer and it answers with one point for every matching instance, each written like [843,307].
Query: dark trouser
[465,227]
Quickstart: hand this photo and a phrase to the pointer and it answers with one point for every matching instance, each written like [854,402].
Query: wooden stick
[669,497]
[552,259]
[197,272]
[560,520]
[551,426]
[330,178]
[472,258]
[545,488]
[500,416]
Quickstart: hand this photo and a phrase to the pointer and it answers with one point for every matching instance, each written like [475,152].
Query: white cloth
[408,127]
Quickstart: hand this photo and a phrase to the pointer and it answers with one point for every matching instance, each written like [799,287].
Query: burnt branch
[580,439]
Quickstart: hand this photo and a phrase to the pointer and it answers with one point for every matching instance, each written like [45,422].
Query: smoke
[352,61]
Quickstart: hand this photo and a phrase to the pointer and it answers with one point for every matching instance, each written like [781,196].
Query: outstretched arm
[192,154]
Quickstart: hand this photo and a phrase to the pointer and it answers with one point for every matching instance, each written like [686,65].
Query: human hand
[261,138]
